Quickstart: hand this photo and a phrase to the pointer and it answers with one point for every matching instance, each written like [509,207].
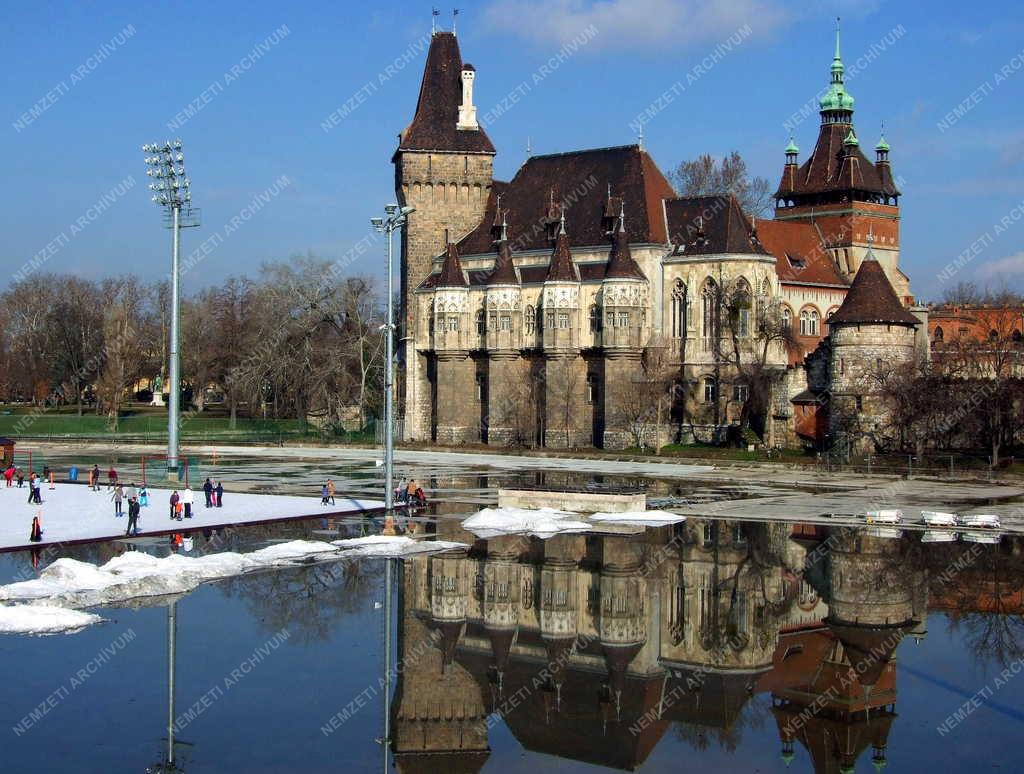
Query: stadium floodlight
[166,165]
[395,220]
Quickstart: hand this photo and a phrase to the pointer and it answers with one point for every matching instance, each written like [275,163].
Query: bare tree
[707,176]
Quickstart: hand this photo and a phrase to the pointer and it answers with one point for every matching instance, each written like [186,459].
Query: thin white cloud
[632,24]
[1009,269]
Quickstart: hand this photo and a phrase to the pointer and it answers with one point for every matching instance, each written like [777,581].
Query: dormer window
[797,263]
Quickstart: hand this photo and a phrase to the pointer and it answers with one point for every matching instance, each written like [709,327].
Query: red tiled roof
[437,110]
[833,167]
[577,180]
[799,253]
[871,299]
[709,225]
[451,275]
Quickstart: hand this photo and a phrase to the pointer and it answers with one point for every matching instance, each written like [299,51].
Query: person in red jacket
[9,475]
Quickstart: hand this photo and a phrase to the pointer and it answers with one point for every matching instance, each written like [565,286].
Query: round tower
[871,334]
[455,372]
[624,331]
[505,366]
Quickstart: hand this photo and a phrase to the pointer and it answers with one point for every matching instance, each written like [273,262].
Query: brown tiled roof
[578,180]
[620,262]
[437,110]
[451,275]
[871,299]
[800,255]
[560,267]
[710,225]
[833,167]
[504,271]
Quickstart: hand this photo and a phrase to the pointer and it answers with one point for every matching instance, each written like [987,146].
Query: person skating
[131,492]
[208,491]
[9,476]
[187,499]
[330,490]
[118,497]
[323,495]
[174,504]
[133,517]
[37,530]
[33,482]
[111,478]
[144,496]
[94,478]
[21,478]
[219,491]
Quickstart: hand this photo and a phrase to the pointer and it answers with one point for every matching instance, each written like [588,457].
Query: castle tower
[624,299]
[506,370]
[455,372]
[564,370]
[840,191]
[870,333]
[443,167]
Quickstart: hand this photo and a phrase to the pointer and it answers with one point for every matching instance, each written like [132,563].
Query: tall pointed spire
[837,104]
[451,270]
[504,272]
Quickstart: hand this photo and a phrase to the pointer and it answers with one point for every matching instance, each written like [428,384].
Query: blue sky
[266,121]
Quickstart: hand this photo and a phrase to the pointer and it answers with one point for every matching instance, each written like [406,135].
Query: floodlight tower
[395,218]
[170,189]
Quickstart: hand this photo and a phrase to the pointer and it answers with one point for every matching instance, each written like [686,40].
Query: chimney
[467,110]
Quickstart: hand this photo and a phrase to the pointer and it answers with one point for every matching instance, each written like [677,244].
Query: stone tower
[443,168]
[565,371]
[841,192]
[455,371]
[870,333]
[623,331]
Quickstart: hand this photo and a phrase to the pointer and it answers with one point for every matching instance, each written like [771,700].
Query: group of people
[136,497]
[327,493]
[410,493]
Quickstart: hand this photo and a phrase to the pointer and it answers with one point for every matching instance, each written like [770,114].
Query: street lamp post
[395,218]
[170,189]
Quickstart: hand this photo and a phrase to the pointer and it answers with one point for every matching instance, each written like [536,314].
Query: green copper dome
[787,757]
[836,98]
[882,145]
[791,148]
[851,139]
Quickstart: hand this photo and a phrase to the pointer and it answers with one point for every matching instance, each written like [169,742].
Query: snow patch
[40,619]
[393,545]
[539,522]
[639,518]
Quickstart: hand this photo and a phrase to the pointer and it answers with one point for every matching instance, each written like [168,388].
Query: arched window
[678,310]
[595,318]
[742,302]
[993,335]
[1017,337]
[481,322]
[709,299]
[939,334]
[809,319]
[787,317]
[530,320]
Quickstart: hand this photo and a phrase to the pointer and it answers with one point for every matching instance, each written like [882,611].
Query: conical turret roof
[504,272]
[871,299]
[561,268]
[620,262]
[451,275]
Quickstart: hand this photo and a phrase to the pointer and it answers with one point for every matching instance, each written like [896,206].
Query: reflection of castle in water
[592,646]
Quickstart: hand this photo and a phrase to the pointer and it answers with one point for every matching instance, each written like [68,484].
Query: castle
[584,303]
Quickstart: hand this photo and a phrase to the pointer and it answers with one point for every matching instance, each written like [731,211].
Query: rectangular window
[506,322]
[740,393]
[743,323]
[494,321]
[710,393]
[623,319]
[453,323]
[563,320]
[860,403]
[609,320]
